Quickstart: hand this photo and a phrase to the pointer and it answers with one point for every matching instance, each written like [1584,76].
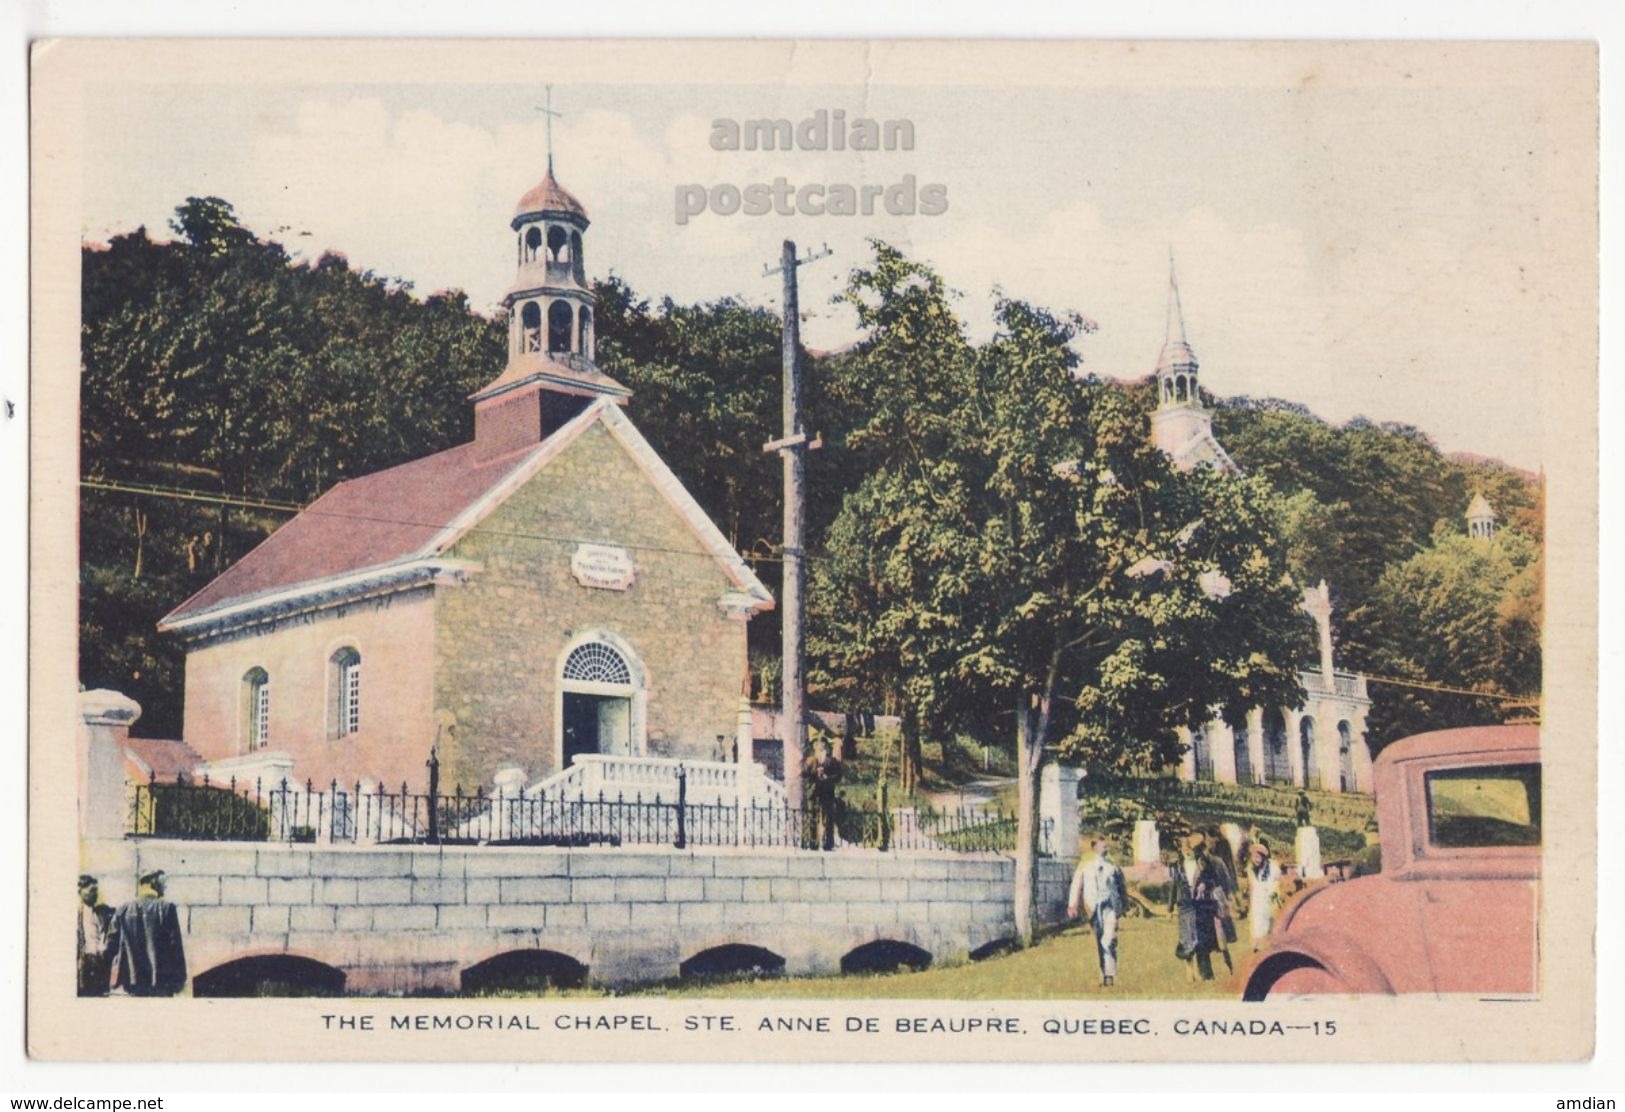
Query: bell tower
[1180,425]
[551,375]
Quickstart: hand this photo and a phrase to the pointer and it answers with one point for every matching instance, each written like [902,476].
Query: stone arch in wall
[1277,761]
[1348,780]
[524,971]
[885,955]
[270,975]
[732,959]
[1307,749]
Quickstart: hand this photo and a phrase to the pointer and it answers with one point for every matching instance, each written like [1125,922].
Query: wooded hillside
[225,382]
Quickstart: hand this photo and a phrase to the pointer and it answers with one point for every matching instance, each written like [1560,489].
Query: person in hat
[1098,891]
[1264,877]
[1193,891]
[1224,865]
[94,919]
[825,773]
[149,955]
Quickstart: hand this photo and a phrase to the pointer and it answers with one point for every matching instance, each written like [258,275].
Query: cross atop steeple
[547,111]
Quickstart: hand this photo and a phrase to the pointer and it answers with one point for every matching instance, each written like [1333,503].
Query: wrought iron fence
[373,815]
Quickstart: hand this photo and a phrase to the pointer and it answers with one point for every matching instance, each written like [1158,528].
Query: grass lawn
[1061,967]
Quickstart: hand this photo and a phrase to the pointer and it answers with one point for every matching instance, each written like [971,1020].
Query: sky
[1385,251]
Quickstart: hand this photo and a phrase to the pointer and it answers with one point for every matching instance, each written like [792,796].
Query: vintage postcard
[768,551]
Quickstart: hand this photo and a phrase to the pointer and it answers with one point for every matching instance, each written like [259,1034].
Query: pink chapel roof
[417,510]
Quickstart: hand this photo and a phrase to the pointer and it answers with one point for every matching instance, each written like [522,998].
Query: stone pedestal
[106,720]
[1308,853]
[1147,845]
[1058,807]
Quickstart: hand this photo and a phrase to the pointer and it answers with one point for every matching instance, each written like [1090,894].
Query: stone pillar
[508,785]
[1255,743]
[1224,751]
[1058,806]
[107,717]
[1308,852]
[1327,754]
[1317,602]
[1147,846]
[744,736]
[1294,747]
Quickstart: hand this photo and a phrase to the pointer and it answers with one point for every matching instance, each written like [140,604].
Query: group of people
[1209,885]
[137,949]
[1207,888]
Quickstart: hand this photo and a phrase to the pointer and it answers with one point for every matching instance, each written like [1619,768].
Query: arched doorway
[1277,764]
[1347,781]
[1202,753]
[600,700]
[1244,759]
[1306,745]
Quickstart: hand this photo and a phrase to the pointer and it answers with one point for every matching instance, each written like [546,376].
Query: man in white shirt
[1097,886]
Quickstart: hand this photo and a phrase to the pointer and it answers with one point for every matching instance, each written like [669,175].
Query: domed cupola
[551,373]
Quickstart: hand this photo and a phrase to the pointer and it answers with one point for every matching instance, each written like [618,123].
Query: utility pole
[793,447]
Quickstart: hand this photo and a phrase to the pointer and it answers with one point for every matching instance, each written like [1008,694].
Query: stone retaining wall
[399,919]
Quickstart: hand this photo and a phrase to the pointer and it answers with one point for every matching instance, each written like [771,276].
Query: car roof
[1469,739]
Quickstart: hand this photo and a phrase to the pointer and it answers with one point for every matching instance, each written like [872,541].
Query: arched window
[256,709]
[559,320]
[533,243]
[596,662]
[577,264]
[530,319]
[557,240]
[585,345]
[344,683]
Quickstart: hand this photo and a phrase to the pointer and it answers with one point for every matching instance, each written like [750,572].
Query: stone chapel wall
[500,636]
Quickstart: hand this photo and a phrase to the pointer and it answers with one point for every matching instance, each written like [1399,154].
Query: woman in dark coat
[1194,889]
[1224,861]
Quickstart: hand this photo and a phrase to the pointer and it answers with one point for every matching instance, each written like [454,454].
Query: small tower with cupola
[551,374]
[1480,519]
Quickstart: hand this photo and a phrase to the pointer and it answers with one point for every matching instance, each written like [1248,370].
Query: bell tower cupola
[551,373]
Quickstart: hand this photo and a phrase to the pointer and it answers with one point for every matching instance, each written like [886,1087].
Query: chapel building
[546,590]
[1320,744]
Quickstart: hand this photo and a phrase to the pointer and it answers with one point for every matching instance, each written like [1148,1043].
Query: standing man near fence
[1097,887]
[149,956]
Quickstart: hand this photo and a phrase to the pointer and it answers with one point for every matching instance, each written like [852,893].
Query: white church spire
[1181,425]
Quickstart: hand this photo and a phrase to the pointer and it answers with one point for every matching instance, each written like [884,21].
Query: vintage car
[1456,906]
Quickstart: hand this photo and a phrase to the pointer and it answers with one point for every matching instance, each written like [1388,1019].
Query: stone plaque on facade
[606,566]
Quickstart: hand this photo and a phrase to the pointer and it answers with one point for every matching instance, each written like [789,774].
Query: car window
[1481,807]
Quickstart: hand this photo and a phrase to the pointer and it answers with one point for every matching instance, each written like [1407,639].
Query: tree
[218,364]
[1463,613]
[1029,550]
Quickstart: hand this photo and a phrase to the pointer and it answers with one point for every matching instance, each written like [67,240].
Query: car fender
[1344,960]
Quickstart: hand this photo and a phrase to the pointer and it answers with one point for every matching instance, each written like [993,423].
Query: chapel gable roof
[363,530]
